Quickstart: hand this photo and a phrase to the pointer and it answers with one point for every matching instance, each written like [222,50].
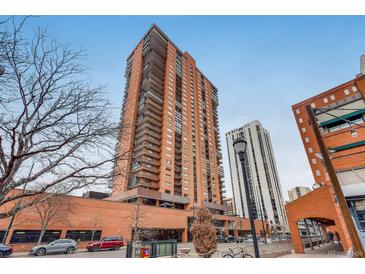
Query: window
[300,120]
[325,100]
[318,173]
[304,129]
[313,105]
[32,236]
[314,161]
[2,234]
[310,150]
[297,111]
[83,235]
[354,89]
[346,92]
[306,139]
[167,184]
[333,97]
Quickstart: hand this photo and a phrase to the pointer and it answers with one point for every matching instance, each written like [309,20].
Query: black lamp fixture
[240,146]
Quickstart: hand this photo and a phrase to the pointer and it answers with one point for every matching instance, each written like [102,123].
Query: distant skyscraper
[263,179]
[297,192]
[170,130]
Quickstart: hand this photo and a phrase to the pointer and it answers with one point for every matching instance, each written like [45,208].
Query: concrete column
[236,232]
[226,230]
[185,235]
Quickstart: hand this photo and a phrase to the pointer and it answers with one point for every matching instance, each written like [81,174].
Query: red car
[105,243]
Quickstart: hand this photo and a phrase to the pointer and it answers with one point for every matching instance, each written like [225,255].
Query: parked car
[67,246]
[240,239]
[230,239]
[220,239]
[106,243]
[5,250]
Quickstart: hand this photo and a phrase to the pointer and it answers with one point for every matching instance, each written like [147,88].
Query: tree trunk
[41,236]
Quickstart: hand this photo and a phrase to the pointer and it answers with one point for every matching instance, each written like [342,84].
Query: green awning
[348,146]
[341,118]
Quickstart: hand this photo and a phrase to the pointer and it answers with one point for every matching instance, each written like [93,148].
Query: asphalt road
[81,254]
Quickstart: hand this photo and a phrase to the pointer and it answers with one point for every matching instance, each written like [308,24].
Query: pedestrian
[330,237]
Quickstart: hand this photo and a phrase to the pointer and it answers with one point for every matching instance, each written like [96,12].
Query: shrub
[204,233]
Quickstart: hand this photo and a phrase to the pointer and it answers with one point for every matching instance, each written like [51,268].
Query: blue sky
[261,65]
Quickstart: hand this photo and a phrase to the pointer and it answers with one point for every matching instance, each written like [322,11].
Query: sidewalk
[325,251]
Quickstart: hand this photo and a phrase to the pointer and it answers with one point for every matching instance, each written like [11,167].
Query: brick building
[170,135]
[172,142]
[340,114]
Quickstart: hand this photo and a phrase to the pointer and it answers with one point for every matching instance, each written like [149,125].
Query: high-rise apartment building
[170,130]
[297,192]
[263,179]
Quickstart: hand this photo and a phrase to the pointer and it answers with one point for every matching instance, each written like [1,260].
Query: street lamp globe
[239,145]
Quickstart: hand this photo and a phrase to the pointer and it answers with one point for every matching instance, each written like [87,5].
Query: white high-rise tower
[263,179]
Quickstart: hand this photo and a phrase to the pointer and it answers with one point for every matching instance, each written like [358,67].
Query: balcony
[147,175]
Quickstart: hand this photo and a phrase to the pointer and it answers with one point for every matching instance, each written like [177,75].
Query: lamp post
[240,146]
[358,249]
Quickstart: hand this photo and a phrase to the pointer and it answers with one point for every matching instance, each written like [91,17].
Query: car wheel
[117,247]
[41,252]
[95,249]
[70,250]
[2,254]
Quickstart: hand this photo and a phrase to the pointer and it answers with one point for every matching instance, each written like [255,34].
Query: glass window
[83,235]
[2,234]
[32,236]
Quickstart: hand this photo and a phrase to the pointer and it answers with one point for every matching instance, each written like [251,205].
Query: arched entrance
[316,209]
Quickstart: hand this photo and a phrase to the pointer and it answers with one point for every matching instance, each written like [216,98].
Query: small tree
[52,211]
[95,226]
[138,215]
[204,233]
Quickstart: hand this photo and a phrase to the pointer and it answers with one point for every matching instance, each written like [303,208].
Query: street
[79,254]
[221,248]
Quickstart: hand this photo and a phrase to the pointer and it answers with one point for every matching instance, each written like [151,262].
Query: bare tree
[57,134]
[138,220]
[95,225]
[52,211]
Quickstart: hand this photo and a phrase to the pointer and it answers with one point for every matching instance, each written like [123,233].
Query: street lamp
[240,146]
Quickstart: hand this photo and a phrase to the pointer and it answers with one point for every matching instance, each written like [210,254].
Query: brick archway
[317,205]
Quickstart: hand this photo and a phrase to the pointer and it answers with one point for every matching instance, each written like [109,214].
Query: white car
[67,246]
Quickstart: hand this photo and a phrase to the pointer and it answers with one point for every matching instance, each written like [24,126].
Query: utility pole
[354,236]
